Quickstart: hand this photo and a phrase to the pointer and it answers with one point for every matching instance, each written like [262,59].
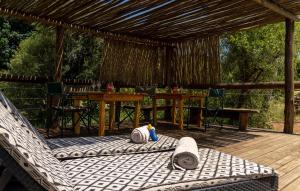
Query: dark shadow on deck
[214,137]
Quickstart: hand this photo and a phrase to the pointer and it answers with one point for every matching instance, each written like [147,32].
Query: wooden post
[59,53]
[174,112]
[101,130]
[57,76]
[137,113]
[181,117]
[112,117]
[76,118]
[118,108]
[154,112]
[289,77]
[243,120]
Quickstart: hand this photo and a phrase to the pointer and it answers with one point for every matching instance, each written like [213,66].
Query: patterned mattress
[67,148]
[125,166]
[152,171]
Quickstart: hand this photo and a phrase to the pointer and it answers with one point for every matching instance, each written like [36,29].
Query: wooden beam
[82,29]
[289,109]
[60,34]
[246,86]
[278,9]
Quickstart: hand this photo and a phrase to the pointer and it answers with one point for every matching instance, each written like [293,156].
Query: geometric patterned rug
[153,171]
[66,148]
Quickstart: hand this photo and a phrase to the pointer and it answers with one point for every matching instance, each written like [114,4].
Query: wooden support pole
[59,53]
[289,109]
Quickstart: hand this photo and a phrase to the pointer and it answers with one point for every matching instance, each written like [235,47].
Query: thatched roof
[158,20]
[185,33]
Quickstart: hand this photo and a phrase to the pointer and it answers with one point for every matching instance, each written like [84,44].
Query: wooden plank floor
[277,150]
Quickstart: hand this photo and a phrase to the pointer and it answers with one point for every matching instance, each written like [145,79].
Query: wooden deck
[278,150]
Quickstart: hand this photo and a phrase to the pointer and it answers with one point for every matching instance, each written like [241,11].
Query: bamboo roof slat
[153,20]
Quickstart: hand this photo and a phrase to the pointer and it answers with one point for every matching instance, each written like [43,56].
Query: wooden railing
[41,80]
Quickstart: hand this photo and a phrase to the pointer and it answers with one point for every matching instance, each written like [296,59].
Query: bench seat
[240,114]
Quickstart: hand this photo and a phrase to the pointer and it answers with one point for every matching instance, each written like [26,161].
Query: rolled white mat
[140,135]
[186,154]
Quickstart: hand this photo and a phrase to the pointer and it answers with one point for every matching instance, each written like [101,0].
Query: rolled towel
[140,135]
[186,154]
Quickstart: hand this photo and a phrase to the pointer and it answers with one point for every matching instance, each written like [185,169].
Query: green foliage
[83,56]
[11,33]
[255,56]
[245,54]
[35,55]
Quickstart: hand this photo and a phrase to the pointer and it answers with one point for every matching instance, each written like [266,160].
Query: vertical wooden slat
[59,53]
[289,77]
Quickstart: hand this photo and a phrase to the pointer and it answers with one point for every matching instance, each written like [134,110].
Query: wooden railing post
[289,110]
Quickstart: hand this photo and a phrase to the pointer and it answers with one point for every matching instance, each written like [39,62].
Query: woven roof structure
[160,20]
[156,41]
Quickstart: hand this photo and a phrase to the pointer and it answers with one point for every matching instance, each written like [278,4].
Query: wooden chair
[146,105]
[214,106]
[61,105]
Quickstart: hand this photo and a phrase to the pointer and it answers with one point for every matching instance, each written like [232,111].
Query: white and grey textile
[32,154]
[109,145]
[153,171]
[186,155]
[140,134]
[145,171]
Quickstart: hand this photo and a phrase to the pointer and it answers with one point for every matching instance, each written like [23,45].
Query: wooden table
[110,98]
[180,98]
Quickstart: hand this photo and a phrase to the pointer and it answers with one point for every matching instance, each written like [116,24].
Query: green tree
[36,55]
[256,52]
[83,56]
[11,33]
[256,55]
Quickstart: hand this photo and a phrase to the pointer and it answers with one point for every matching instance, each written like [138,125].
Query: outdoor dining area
[157,107]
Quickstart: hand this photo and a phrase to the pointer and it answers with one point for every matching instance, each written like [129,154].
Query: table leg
[180,105]
[174,112]
[76,118]
[101,131]
[154,113]
[201,104]
[112,114]
[167,114]
[118,113]
[137,113]
[147,115]
[243,121]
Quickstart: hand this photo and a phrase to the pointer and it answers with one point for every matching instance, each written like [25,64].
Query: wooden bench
[240,114]
[297,104]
